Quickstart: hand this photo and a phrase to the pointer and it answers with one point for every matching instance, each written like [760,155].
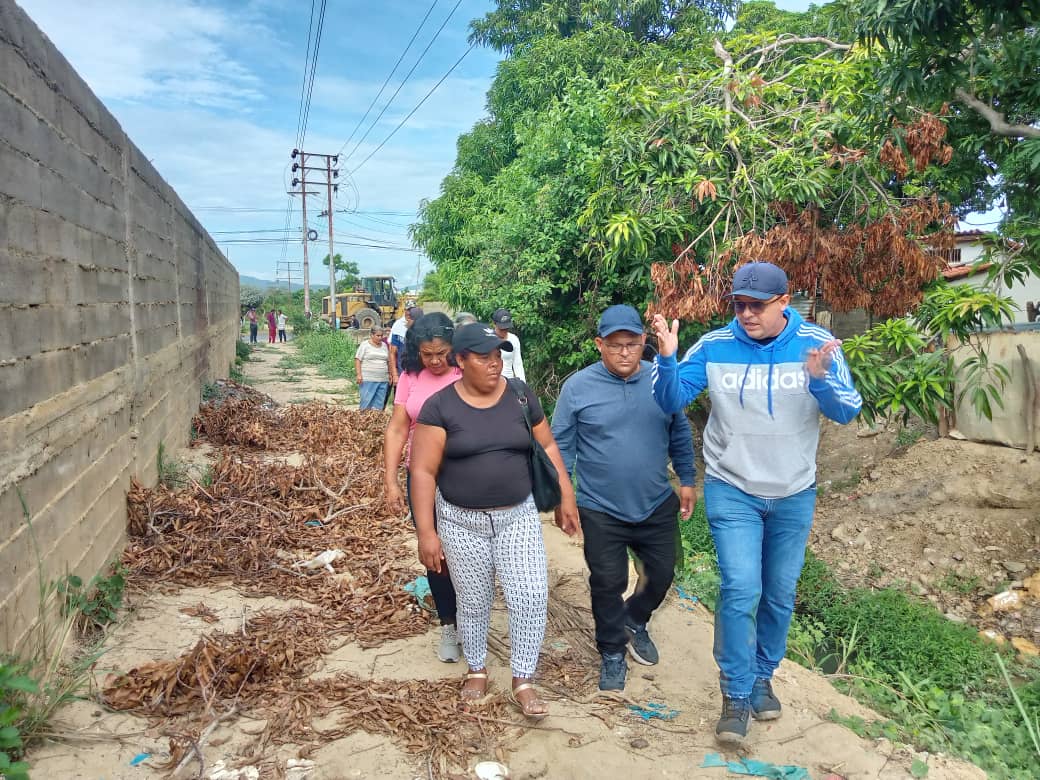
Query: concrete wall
[1009,423]
[115,306]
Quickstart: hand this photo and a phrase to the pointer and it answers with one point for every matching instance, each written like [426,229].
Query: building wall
[1009,423]
[115,307]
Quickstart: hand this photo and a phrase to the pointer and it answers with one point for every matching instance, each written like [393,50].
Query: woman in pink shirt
[428,367]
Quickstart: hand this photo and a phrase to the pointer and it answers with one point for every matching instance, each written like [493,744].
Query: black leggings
[440,584]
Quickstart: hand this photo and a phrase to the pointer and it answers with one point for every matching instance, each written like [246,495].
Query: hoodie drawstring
[769,381]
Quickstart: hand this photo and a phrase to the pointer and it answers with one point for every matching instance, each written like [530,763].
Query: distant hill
[263,284]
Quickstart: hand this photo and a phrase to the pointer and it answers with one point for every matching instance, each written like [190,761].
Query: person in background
[512,362]
[464,318]
[282,319]
[769,375]
[254,324]
[397,340]
[617,441]
[428,367]
[471,494]
[372,368]
[272,326]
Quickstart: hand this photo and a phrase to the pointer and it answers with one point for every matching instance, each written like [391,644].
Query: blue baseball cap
[759,280]
[619,317]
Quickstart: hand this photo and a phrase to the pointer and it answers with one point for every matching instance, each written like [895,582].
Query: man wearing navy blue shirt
[617,441]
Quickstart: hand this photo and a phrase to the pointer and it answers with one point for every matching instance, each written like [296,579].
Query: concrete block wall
[115,307]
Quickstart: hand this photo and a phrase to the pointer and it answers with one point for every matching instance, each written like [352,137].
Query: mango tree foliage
[981,58]
[605,155]
[754,150]
[516,23]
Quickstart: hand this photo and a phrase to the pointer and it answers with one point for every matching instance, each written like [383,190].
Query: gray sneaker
[450,650]
[612,672]
[640,645]
[732,726]
[764,704]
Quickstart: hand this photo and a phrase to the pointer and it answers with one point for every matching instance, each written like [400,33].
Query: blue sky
[210,91]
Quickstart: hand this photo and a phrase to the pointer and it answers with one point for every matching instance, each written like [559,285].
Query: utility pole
[332,251]
[287,268]
[330,174]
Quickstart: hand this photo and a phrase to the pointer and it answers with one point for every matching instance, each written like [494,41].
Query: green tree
[620,167]
[250,297]
[978,60]
[347,272]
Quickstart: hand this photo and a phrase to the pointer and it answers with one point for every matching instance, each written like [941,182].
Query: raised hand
[818,361]
[667,338]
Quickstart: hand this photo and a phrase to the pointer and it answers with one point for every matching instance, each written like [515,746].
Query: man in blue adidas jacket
[617,442]
[769,375]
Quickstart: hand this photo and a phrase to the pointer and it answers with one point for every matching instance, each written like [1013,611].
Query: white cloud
[165,50]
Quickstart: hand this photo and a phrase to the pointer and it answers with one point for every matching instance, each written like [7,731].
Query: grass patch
[172,473]
[331,352]
[941,687]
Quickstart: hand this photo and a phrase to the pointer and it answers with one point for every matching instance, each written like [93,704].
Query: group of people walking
[617,425]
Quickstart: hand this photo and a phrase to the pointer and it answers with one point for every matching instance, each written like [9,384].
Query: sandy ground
[596,737]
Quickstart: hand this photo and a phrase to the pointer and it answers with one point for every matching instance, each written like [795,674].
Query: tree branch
[996,120]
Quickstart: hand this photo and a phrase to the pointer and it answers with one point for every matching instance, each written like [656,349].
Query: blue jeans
[761,547]
[373,394]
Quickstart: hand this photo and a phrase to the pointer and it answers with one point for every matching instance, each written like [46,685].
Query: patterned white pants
[480,544]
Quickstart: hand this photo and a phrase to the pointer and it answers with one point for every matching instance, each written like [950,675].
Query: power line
[387,81]
[412,112]
[303,84]
[251,210]
[403,82]
[314,68]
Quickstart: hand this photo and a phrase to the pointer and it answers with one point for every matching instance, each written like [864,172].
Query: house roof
[968,235]
[960,271]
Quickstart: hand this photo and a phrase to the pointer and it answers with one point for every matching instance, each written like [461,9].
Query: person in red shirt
[271,327]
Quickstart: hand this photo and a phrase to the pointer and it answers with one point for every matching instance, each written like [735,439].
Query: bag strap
[522,398]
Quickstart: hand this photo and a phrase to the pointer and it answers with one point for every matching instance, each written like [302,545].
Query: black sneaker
[764,704]
[612,672]
[640,645]
[732,727]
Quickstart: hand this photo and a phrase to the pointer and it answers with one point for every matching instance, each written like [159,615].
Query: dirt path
[585,737]
[275,369]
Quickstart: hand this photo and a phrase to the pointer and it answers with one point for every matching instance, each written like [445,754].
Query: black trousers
[607,542]
[441,587]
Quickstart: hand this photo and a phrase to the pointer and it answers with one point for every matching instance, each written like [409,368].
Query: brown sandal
[474,694]
[533,708]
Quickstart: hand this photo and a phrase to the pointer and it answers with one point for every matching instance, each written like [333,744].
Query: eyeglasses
[755,307]
[617,349]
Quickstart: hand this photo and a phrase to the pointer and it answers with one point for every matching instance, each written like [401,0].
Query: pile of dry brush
[253,525]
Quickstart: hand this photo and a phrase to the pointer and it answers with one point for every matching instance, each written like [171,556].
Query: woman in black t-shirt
[470,465]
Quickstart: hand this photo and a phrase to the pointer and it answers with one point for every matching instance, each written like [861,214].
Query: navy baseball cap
[478,337]
[503,319]
[759,280]
[619,317]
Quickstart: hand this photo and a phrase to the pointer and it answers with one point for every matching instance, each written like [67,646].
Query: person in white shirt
[282,319]
[512,362]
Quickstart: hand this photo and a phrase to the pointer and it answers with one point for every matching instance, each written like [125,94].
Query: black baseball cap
[759,280]
[503,319]
[478,337]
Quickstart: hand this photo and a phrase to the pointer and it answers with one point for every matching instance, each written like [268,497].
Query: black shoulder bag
[545,481]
